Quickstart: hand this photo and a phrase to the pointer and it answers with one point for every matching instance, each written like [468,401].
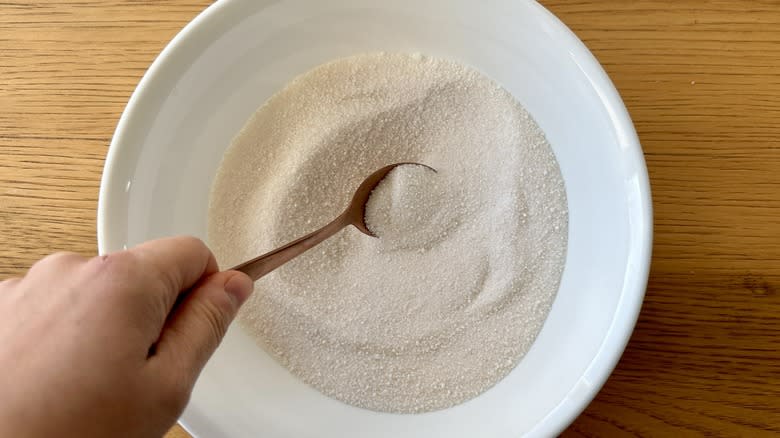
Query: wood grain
[700,78]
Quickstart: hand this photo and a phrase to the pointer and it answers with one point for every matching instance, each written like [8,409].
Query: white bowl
[231,58]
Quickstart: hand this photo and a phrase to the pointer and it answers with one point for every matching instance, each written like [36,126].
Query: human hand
[111,345]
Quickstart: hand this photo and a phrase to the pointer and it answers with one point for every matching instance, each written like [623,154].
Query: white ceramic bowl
[230,59]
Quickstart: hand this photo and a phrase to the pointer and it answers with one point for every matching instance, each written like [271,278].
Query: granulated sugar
[452,294]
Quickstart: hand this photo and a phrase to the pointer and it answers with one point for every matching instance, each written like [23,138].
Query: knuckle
[63,256]
[57,260]
[194,243]
[114,270]
[198,246]
[119,261]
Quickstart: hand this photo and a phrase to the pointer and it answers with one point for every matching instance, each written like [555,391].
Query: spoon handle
[259,266]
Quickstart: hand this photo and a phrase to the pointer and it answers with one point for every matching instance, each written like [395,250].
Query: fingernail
[239,287]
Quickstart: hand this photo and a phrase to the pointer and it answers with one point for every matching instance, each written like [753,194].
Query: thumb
[198,324]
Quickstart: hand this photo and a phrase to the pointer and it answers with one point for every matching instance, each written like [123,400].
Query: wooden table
[700,78]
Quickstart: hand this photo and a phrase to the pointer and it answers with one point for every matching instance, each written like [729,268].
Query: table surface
[701,80]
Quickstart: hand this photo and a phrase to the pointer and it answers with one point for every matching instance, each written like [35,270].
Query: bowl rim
[631,299]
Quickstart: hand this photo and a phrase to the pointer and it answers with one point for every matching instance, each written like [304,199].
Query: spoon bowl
[354,214]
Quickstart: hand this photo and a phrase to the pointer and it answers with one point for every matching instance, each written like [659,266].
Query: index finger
[177,262]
